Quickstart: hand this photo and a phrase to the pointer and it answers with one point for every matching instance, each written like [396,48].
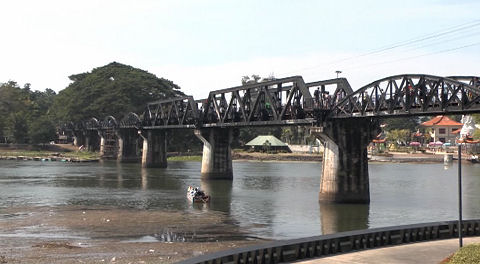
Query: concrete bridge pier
[102,143]
[78,138]
[217,153]
[154,153]
[127,145]
[91,140]
[345,163]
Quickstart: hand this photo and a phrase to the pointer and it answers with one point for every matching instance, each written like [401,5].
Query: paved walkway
[423,252]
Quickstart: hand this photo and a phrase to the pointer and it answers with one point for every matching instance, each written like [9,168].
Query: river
[267,200]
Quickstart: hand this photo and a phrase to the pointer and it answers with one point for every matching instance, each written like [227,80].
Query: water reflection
[273,200]
[144,175]
[220,192]
[343,217]
[471,189]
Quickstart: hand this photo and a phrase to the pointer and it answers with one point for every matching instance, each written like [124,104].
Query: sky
[210,44]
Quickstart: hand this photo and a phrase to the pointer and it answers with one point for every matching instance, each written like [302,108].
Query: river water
[270,200]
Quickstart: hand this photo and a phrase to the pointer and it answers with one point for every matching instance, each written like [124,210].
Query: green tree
[410,123]
[42,130]
[399,135]
[21,107]
[17,127]
[114,89]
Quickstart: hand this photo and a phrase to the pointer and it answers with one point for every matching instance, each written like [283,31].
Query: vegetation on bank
[31,117]
[114,89]
[185,158]
[81,155]
[467,254]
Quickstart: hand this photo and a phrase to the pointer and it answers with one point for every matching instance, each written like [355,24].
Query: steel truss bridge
[291,101]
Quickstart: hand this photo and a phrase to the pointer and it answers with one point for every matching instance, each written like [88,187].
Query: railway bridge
[343,119]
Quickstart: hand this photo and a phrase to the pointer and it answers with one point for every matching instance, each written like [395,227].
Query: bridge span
[343,119]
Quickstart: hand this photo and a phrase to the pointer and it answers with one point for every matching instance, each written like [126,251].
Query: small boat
[473,159]
[195,195]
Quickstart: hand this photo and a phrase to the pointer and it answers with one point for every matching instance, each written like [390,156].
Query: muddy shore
[69,234]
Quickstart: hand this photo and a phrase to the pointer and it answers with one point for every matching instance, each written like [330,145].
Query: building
[444,129]
[268,143]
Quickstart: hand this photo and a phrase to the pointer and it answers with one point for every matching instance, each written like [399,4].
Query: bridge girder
[286,101]
[177,111]
[411,94]
[131,120]
[91,124]
[291,101]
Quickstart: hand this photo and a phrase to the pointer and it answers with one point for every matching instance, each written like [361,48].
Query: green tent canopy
[261,141]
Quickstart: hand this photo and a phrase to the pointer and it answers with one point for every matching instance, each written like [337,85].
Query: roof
[260,140]
[441,121]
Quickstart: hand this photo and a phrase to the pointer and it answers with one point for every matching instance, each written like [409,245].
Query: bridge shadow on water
[343,217]
[221,193]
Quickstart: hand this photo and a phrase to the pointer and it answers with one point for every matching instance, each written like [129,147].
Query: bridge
[343,119]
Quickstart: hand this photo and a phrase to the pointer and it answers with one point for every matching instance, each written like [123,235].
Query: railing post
[460,238]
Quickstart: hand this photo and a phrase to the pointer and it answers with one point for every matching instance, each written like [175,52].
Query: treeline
[116,89]
[25,114]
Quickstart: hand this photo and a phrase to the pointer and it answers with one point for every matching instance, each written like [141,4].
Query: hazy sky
[210,44]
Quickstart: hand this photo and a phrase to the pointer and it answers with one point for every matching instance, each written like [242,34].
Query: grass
[27,153]
[467,254]
[185,158]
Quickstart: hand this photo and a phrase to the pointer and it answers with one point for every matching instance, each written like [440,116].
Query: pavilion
[444,129]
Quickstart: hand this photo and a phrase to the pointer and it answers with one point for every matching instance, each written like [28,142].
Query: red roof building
[443,128]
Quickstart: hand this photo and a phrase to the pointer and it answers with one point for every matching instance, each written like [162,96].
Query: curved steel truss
[411,95]
[131,120]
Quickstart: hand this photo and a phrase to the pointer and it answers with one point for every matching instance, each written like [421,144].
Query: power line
[418,56]
[437,34]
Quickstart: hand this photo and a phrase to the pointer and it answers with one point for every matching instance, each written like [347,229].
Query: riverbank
[77,156]
[404,157]
[69,153]
[259,156]
[407,157]
[94,234]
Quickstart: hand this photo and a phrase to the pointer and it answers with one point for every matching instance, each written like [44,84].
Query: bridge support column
[78,138]
[154,149]
[345,163]
[91,140]
[127,145]
[217,153]
[102,143]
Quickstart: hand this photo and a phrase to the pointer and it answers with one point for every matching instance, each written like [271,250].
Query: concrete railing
[345,242]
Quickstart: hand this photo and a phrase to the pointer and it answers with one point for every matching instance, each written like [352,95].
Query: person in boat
[195,191]
[199,192]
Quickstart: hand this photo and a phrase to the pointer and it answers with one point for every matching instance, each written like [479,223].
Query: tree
[22,107]
[17,127]
[410,123]
[114,89]
[399,136]
[254,78]
[42,130]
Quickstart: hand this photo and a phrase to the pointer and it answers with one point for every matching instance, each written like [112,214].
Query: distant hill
[114,89]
